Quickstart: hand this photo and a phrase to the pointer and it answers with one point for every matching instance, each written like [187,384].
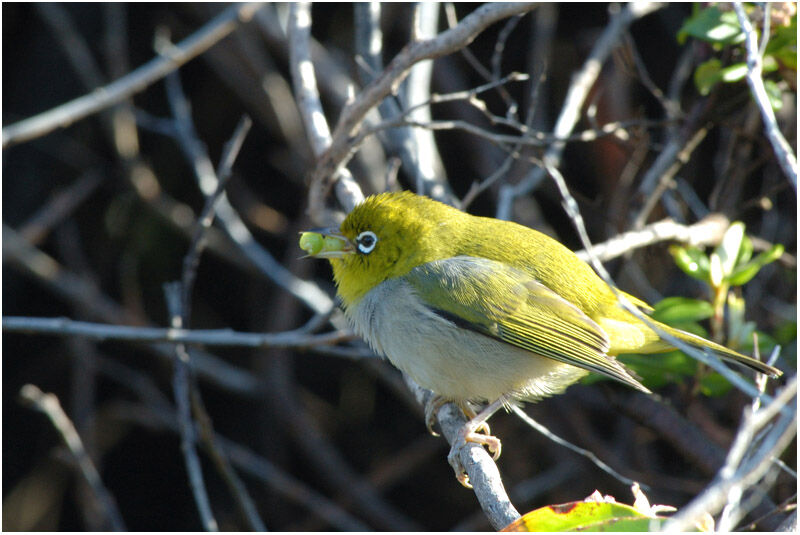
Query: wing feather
[521,312]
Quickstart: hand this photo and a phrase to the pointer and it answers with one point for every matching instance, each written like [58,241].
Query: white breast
[454,362]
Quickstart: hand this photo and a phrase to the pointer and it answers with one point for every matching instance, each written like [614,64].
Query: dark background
[125,243]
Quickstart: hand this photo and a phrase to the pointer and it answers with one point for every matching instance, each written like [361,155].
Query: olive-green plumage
[474,308]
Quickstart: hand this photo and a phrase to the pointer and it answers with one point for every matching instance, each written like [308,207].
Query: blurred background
[98,216]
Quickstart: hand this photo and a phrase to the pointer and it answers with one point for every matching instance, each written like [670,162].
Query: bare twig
[708,231]
[783,151]
[59,207]
[582,82]
[305,86]
[341,149]
[205,337]
[748,459]
[673,158]
[181,385]
[103,97]
[50,406]
[580,451]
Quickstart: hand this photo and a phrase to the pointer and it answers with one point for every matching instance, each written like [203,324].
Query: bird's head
[385,236]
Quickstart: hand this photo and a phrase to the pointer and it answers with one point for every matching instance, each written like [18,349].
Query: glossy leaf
[586,516]
[728,249]
[774,94]
[713,26]
[743,273]
[692,261]
[707,75]
[682,309]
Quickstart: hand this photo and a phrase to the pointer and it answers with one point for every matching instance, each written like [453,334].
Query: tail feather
[723,352]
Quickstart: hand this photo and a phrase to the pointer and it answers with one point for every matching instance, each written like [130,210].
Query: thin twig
[50,406]
[308,101]
[352,117]
[202,337]
[708,231]
[60,207]
[103,97]
[181,385]
[190,264]
[580,451]
[582,83]
[741,470]
[783,151]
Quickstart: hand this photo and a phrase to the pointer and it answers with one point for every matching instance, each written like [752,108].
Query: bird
[480,310]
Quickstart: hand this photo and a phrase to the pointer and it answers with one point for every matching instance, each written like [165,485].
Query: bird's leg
[436,402]
[469,433]
[431,410]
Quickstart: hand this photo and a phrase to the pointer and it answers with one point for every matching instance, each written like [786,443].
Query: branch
[582,83]
[482,470]
[305,86]
[341,149]
[204,337]
[152,71]
[783,151]
[50,406]
[741,470]
[707,231]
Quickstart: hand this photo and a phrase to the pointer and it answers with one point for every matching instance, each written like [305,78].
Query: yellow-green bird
[479,309]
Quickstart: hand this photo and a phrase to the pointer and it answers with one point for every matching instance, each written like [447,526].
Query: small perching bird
[478,309]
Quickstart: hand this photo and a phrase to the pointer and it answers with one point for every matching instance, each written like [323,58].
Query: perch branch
[783,151]
[130,84]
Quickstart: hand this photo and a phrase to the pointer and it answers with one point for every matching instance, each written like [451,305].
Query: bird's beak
[325,243]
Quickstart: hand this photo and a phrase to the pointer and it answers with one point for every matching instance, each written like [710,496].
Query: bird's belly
[454,362]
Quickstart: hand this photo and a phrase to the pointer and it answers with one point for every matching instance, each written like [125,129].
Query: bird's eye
[366,241]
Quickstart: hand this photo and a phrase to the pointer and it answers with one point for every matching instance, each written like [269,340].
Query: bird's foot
[472,433]
[431,410]
[476,430]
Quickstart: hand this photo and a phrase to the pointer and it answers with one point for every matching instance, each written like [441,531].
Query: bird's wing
[505,303]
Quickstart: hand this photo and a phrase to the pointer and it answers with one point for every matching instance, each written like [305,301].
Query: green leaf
[783,44]
[586,516]
[713,26]
[733,73]
[774,94]
[715,385]
[692,261]
[682,309]
[728,249]
[707,75]
[745,251]
[659,369]
[743,273]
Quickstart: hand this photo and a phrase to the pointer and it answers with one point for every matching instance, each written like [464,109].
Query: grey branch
[148,335]
[352,117]
[707,231]
[50,406]
[748,460]
[582,83]
[117,91]
[783,151]
[483,473]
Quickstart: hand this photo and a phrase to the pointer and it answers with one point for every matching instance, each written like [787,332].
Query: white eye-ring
[366,241]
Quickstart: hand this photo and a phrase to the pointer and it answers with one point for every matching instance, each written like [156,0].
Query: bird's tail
[722,351]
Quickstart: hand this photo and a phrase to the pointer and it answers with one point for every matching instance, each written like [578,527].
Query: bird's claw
[431,410]
[465,435]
